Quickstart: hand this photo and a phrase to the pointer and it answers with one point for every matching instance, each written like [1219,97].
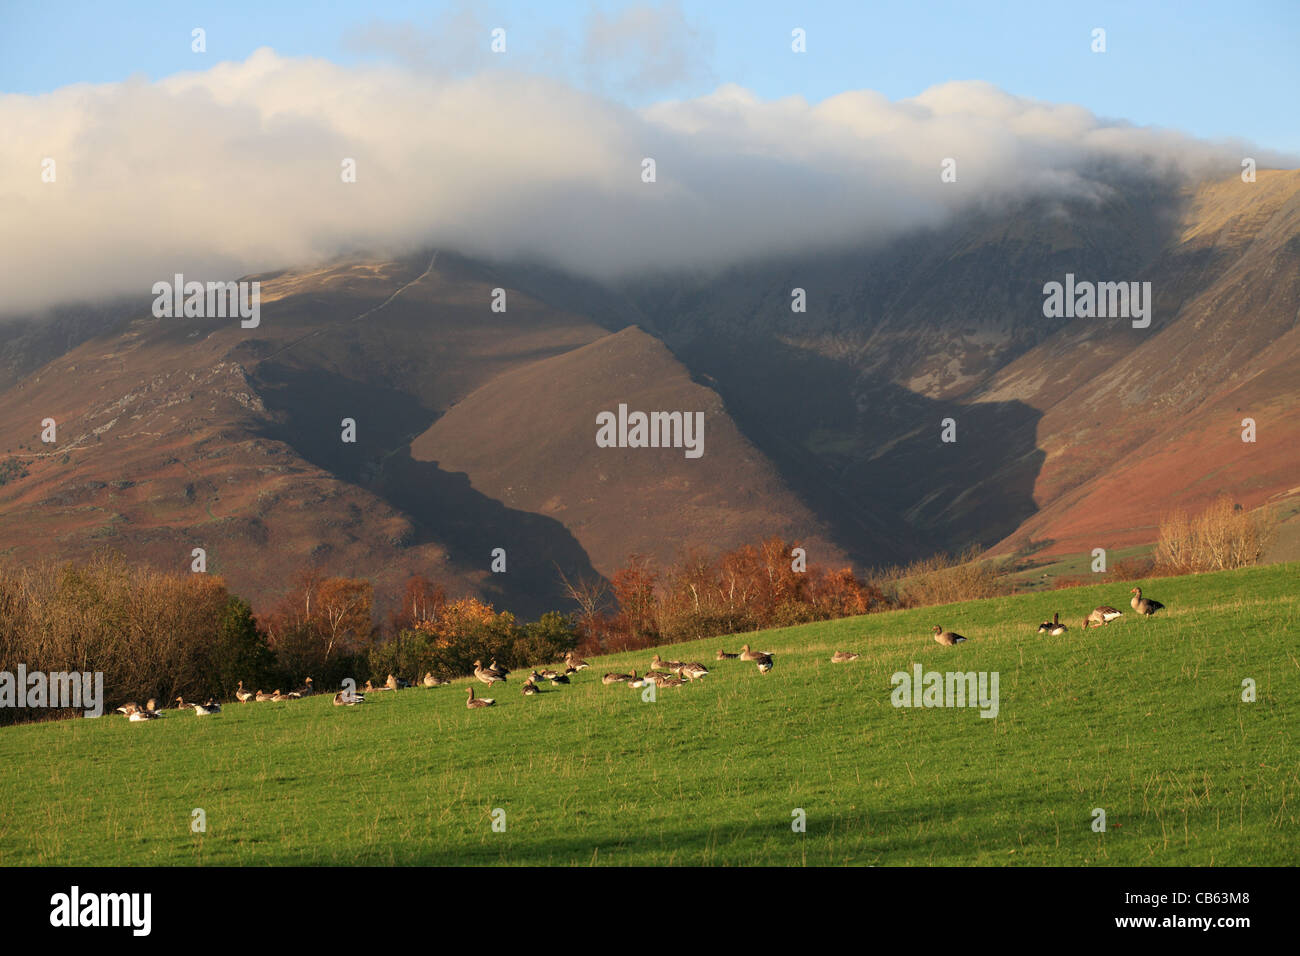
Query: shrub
[1222,536]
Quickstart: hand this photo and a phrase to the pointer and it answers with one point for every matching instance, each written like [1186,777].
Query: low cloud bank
[238,169]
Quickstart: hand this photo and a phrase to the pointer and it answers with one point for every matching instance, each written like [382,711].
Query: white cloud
[236,169]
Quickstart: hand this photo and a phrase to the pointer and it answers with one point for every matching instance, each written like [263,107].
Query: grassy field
[1143,719]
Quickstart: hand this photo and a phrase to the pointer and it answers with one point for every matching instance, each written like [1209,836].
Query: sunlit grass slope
[1143,719]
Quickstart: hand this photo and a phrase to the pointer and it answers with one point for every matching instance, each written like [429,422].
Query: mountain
[174,434]
[1071,432]
[476,429]
[527,439]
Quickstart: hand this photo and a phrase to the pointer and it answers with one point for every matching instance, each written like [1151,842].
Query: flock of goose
[1099,617]
[150,711]
[661,673]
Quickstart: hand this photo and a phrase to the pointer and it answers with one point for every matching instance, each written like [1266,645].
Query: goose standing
[764,662]
[306,690]
[474,702]
[486,674]
[1144,606]
[1103,614]
[495,668]
[946,638]
[241,695]
[841,657]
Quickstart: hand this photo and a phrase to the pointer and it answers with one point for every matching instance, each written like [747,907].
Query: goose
[724,656]
[640,681]
[396,683]
[495,668]
[841,657]
[764,662]
[552,676]
[281,696]
[306,690]
[138,715]
[151,705]
[1144,606]
[577,663]
[180,704]
[747,655]
[241,695]
[657,663]
[529,688]
[1101,615]
[477,701]
[263,695]
[431,681]
[347,698]
[203,710]
[486,674]
[129,708]
[570,669]
[664,680]
[694,671]
[655,675]
[946,638]
[617,678]
[1053,627]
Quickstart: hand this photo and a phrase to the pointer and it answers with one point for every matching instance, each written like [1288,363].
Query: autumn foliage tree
[767,584]
[322,627]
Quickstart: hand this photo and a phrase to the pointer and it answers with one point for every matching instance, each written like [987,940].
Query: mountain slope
[528,439]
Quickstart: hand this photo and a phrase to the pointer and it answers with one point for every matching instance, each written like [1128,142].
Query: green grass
[1141,718]
[1079,565]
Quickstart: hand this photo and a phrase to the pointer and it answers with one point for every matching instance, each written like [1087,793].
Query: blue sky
[1211,69]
